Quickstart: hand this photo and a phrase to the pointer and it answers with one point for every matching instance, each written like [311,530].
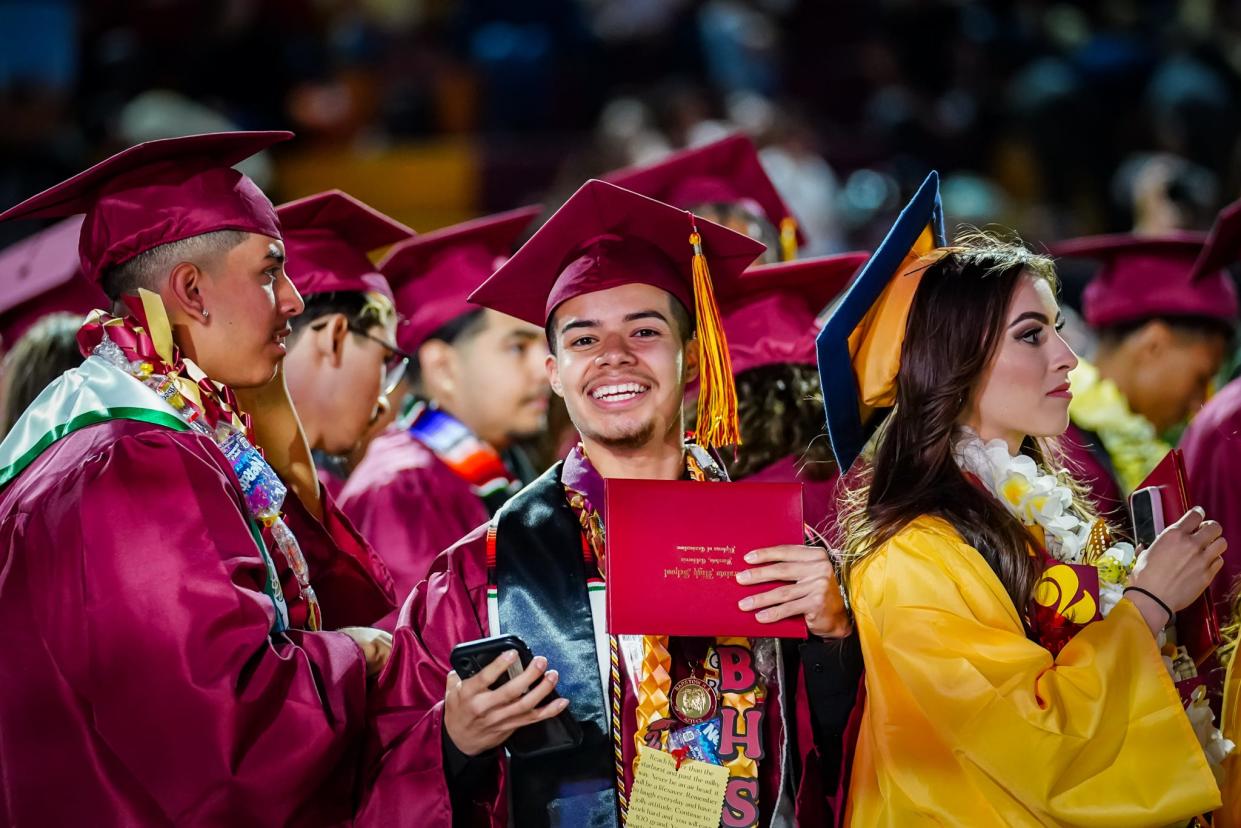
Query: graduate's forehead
[614,306]
[1034,295]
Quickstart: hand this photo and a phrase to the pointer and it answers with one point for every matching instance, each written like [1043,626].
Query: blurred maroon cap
[40,275]
[327,239]
[771,312]
[724,171]
[1142,277]
[433,275]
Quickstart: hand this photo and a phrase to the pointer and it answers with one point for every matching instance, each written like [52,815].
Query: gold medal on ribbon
[693,701]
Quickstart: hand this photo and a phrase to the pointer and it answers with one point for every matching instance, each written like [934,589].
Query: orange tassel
[788,239]
[717,391]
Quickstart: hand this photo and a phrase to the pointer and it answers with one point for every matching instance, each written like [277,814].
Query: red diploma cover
[1197,626]
[674,548]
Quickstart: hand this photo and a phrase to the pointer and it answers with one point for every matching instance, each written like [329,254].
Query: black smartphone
[1146,509]
[540,738]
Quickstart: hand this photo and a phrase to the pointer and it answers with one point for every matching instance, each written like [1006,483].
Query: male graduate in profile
[622,286]
[1164,327]
[165,649]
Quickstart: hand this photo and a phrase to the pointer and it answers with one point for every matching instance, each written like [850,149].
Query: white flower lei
[1040,498]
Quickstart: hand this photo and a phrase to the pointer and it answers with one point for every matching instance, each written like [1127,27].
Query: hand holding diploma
[813,592]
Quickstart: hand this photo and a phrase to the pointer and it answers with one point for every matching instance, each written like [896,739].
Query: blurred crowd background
[1054,118]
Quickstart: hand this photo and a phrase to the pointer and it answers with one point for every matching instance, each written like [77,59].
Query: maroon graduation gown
[410,505]
[1088,462]
[141,686]
[1212,446]
[818,496]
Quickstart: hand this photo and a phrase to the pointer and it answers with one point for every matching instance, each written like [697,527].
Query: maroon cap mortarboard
[159,192]
[1223,244]
[606,236]
[771,312]
[327,237]
[40,275]
[434,274]
[1142,277]
[724,171]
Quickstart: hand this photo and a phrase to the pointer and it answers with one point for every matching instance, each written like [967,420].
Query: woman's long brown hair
[955,325]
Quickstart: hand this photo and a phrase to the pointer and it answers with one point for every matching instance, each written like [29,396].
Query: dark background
[1055,118]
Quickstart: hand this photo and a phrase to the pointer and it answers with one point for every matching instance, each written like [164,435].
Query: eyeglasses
[395,365]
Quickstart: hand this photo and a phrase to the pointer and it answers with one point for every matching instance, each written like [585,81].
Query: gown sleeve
[154,614]
[969,719]
[404,766]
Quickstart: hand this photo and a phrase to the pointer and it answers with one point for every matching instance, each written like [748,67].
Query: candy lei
[218,420]
[1040,498]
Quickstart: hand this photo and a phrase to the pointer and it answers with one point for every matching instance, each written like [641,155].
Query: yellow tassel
[788,239]
[717,391]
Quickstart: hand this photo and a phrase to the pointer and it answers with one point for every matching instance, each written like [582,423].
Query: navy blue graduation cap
[859,347]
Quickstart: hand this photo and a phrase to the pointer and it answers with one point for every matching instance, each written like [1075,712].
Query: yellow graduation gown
[968,722]
[1229,816]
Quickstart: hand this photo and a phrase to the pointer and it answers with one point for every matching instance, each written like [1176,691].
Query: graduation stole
[141,346]
[649,661]
[470,458]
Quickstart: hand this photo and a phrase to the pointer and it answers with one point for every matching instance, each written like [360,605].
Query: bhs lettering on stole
[739,732]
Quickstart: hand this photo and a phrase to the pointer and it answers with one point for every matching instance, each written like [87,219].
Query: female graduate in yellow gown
[996,694]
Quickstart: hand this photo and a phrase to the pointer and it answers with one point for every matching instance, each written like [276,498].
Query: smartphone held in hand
[538,739]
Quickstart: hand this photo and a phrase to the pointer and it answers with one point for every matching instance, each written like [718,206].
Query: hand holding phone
[1168,490]
[1182,560]
[499,693]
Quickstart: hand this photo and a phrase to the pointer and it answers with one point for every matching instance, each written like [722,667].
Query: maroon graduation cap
[41,274]
[771,311]
[1141,277]
[159,192]
[1223,244]
[433,275]
[327,239]
[724,171]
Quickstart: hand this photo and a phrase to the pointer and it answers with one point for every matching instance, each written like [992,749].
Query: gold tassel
[788,239]
[717,392]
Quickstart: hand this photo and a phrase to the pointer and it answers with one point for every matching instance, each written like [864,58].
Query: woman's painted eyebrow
[1035,315]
